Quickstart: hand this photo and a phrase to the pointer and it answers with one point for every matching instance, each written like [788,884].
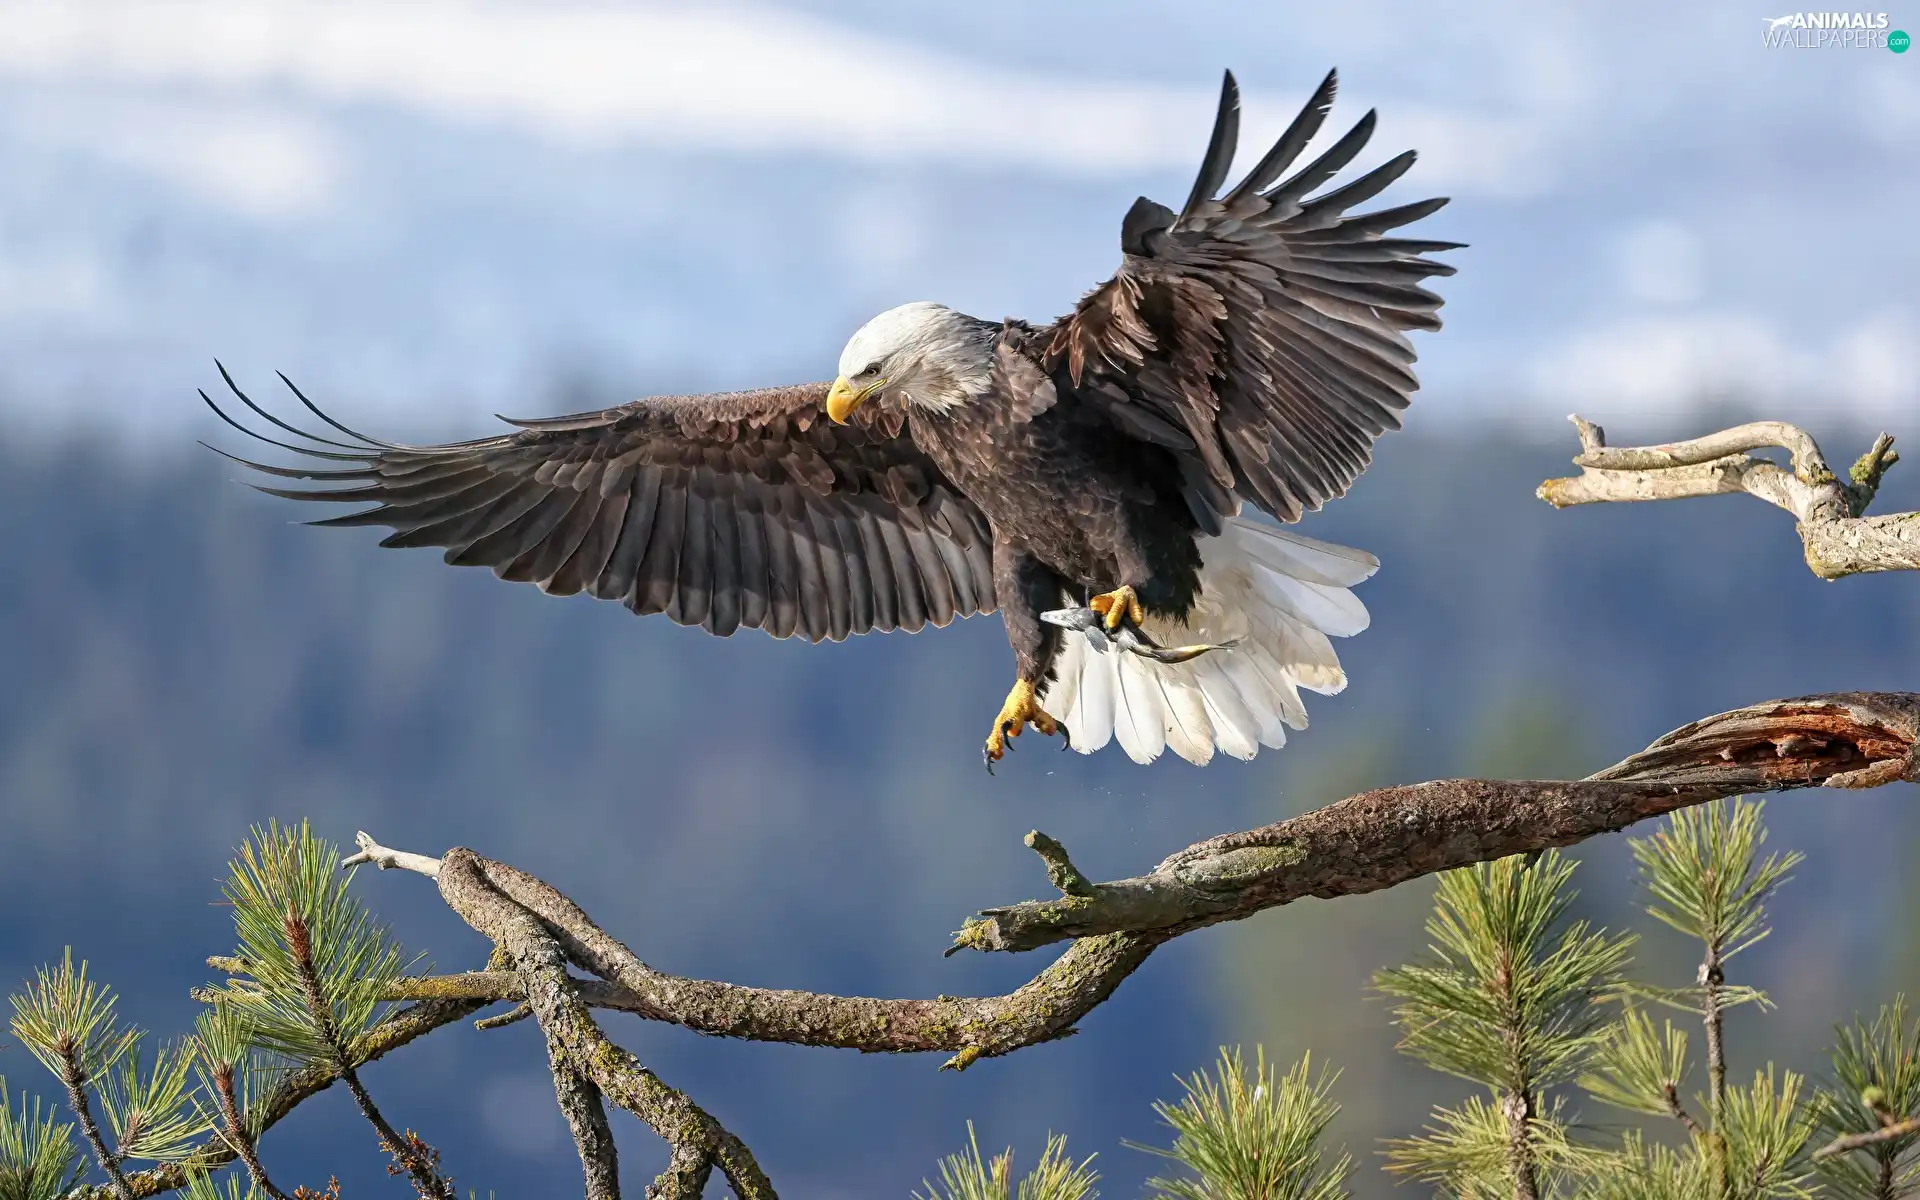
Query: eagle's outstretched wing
[723,510]
[1259,334]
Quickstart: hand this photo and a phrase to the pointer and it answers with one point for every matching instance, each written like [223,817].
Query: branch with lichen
[579,1049]
[1383,838]
[1838,538]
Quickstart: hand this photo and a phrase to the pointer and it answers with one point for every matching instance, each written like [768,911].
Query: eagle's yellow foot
[1020,710]
[1118,605]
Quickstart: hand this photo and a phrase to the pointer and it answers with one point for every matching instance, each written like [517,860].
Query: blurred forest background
[425,213]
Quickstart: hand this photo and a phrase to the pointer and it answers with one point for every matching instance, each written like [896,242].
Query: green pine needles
[971,1176]
[307,984]
[1238,1134]
[315,961]
[38,1160]
[1511,1000]
[1874,1101]
[1252,1137]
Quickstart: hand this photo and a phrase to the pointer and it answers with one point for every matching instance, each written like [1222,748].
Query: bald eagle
[1250,348]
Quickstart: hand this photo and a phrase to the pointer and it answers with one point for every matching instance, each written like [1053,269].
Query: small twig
[235,1132]
[1712,979]
[75,1080]
[516,1014]
[1671,1095]
[1860,1141]
[387,860]
[426,1180]
[1060,869]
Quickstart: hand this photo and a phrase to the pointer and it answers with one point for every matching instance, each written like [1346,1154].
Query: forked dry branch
[1838,537]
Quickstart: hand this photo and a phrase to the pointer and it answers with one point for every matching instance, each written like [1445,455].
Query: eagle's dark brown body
[1076,506]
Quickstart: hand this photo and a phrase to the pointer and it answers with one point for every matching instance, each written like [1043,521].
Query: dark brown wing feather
[1265,328]
[725,510]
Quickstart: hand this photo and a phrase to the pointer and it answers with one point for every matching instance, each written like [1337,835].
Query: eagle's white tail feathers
[1275,593]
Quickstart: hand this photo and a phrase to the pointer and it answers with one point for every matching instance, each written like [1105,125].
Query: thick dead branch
[1382,838]
[1365,843]
[1839,539]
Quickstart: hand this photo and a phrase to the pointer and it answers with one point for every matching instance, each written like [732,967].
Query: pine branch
[1875,1094]
[73,1078]
[971,1176]
[406,1149]
[1707,880]
[1510,1000]
[393,1031]
[234,1126]
[38,1160]
[1255,1134]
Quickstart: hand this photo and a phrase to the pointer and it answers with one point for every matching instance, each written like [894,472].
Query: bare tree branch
[1383,838]
[699,1143]
[1364,843]
[587,1120]
[1838,537]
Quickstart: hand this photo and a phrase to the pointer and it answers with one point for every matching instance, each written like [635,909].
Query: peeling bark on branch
[1838,538]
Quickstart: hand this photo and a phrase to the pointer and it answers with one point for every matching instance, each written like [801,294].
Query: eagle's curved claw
[1020,710]
[1118,605]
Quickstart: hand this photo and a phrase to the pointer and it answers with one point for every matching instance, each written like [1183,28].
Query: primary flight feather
[1082,478]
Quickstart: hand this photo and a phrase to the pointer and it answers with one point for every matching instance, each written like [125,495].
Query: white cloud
[53,283]
[1874,363]
[252,160]
[1656,364]
[1651,362]
[717,77]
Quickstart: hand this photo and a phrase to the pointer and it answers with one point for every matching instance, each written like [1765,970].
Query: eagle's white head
[926,353]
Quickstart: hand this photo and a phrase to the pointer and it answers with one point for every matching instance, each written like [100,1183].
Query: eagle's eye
[872,368]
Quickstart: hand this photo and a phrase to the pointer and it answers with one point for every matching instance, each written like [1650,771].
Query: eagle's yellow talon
[1118,605]
[1020,710]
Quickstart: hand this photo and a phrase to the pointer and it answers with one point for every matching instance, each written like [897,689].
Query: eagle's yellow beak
[846,396]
